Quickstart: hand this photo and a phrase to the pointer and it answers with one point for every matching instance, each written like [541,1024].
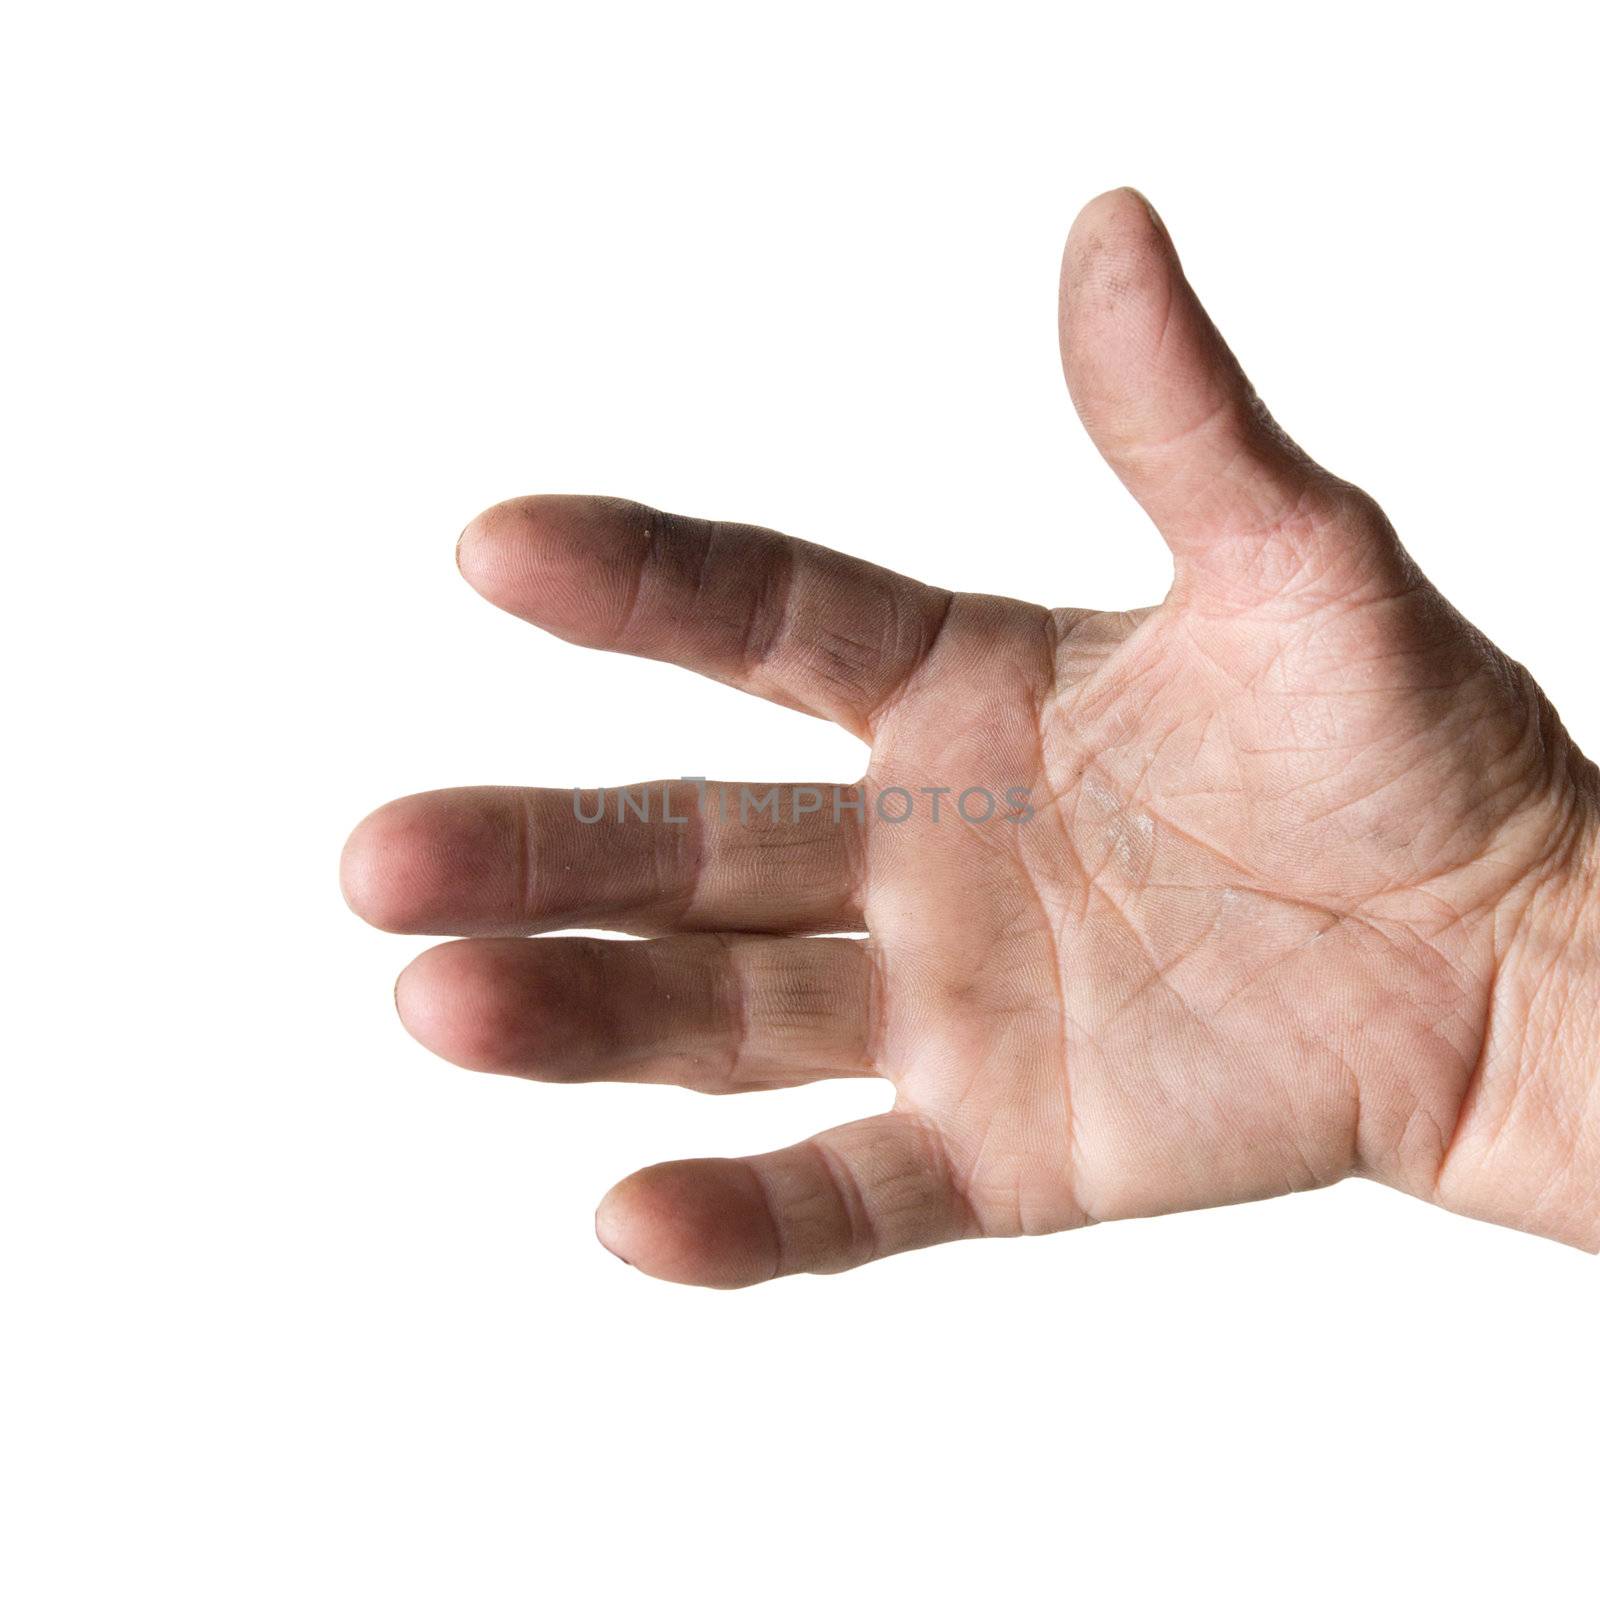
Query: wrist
[1526,1151]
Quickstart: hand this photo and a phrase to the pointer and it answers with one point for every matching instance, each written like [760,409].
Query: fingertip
[403,868]
[449,1003]
[567,563]
[703,1223]
[365,876]
[486,541]
[608,1229]
[1122,212]
[1117,249]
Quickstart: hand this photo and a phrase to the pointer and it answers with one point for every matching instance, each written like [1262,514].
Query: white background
[291,292]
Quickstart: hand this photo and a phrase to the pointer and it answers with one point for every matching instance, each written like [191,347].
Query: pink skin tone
[1310,891]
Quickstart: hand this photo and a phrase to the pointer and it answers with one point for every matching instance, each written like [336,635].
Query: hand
[1306,892]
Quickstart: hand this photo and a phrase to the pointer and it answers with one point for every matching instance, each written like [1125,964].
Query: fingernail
[600,1215]
[1155,216]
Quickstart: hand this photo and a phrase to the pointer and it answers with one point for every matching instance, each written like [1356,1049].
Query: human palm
[1240,922]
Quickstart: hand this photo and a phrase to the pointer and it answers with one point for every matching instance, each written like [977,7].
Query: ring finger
[715,1012]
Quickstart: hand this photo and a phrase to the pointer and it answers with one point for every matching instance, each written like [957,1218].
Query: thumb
[1248,515]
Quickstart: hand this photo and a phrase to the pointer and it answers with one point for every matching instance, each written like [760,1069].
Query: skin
[1309,889]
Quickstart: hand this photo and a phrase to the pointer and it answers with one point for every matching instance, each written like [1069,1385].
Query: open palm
[1247,917]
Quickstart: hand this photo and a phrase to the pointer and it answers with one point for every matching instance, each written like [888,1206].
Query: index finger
[777,617]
